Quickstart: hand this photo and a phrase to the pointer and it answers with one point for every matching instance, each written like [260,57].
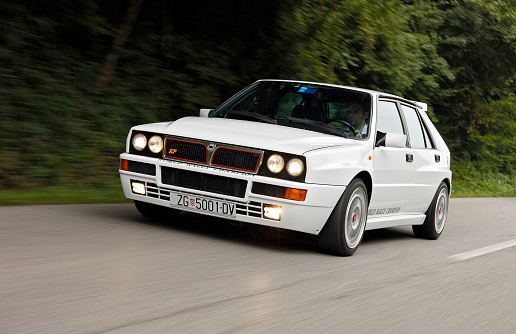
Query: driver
[356,115]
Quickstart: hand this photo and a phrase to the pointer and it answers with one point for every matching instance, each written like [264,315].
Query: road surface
[106,269]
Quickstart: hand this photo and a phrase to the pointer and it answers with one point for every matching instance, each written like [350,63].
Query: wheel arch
[368,181]
[448,184]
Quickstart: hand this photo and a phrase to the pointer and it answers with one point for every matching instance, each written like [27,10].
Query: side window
[388,118]
[417,139]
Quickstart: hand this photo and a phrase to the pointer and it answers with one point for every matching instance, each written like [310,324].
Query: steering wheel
[351,127]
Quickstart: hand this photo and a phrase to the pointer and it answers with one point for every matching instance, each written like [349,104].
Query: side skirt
[382,222]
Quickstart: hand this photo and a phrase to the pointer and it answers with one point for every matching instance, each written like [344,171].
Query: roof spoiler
[421,105]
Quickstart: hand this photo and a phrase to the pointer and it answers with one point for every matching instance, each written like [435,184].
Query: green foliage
[478,41]
[478,180]
[366,43]
[499,147]
[64,194]
[57,129]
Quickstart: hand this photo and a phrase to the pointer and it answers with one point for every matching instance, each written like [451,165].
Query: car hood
[247,133]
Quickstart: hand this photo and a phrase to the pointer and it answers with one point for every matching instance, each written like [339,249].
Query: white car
[328,160]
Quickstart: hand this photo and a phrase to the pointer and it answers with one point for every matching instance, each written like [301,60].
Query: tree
[112,58]
[364,43]
[478,41]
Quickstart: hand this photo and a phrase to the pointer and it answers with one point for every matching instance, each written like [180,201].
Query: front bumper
[307,216]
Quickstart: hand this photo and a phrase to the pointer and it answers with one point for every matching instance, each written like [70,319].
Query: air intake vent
[205,182]
[142,168]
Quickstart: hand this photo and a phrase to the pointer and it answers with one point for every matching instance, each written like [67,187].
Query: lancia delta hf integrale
[323,159]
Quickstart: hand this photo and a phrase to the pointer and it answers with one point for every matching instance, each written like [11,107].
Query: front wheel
[435,215]
[345,228]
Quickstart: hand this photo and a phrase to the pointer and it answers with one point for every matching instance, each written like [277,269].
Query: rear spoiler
[421,105]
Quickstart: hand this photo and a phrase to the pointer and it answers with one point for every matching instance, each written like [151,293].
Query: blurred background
[75,75]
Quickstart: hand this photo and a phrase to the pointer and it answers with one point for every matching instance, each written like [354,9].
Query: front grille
[186,150]
[252,209]
[203,152]
[237,159]
[205,182]
[155,192]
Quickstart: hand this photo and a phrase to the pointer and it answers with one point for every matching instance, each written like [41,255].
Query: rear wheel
[155,211]
[435,215]
[344,229]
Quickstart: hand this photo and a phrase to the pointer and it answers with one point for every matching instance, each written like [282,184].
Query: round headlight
[155,144]
[139,141]
[295,167]
[275,163]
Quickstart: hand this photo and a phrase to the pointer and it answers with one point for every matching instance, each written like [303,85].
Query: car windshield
[330,110]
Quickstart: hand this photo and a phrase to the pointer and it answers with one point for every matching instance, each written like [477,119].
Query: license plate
[203,204]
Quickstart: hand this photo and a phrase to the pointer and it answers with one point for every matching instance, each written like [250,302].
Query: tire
[435,215]
[155,211]
[345,227]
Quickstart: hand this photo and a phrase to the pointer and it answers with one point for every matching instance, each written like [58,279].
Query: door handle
[409,157]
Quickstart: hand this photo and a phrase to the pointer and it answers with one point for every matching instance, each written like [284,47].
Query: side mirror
[206,112]
[390,140]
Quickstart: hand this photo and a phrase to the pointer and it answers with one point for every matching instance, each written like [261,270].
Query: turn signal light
[295,194]
[124,164]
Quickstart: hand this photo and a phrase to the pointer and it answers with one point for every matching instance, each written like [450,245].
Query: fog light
[272,212]
[138,187]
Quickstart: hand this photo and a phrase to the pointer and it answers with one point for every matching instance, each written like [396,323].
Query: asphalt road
[106,269]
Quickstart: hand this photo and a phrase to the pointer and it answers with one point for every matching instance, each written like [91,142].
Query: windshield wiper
[254,115]
[320,125]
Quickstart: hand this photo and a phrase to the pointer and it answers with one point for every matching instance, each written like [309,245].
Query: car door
[393,170]
[426,162]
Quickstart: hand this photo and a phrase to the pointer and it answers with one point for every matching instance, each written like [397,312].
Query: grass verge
[470,181]
[63,195]
[482,188]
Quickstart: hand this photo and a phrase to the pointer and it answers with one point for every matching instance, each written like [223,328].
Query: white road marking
[483,251]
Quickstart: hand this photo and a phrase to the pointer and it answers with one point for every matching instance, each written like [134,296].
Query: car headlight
[155,144]
[139,142]
[295,167]
[275,163]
